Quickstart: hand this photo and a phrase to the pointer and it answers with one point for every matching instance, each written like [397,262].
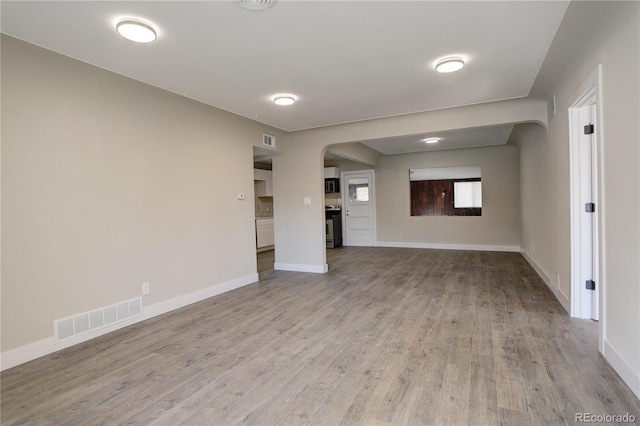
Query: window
[446,191]
[358,189]
[467,194]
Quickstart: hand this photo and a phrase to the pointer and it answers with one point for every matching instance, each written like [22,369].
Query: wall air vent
[96,319]
[268,140]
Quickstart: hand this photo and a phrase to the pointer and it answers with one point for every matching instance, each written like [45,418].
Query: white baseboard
[473,247]
[537,268]
[299,267]
[624,370]
[47,346]
[560,296]
[187,299]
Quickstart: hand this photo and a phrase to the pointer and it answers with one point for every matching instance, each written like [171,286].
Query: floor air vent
[99,318]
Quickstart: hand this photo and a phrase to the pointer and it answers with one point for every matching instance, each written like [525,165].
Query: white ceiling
[457,139]
[345,60]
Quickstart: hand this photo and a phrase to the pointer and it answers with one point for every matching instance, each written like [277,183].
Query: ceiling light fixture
[136,31]
[451,64]
[431,140]
[255,4]
[284,100]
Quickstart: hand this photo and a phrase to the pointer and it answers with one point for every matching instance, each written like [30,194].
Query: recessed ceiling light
[431,140]
[136,31]
[449,65]
[255,4]
[284,100]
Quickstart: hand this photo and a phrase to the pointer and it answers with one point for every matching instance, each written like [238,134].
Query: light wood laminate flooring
[387,336]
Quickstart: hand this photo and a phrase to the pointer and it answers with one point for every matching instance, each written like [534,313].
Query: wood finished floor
[388,336]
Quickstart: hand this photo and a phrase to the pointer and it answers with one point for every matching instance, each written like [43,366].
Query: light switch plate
[307,201]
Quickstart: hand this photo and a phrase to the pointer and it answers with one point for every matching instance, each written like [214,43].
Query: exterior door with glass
[358,208]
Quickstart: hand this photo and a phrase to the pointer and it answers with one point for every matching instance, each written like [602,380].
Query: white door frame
[372,203]
[589,93]
[583,224]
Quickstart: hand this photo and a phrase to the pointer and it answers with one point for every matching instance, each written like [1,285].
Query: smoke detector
[255,4]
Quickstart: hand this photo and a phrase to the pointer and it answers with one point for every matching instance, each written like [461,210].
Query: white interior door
[358,208]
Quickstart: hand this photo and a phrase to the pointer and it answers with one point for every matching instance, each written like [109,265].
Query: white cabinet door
[331,173]
[264,233]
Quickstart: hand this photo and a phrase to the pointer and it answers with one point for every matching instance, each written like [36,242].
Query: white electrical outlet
[146,289]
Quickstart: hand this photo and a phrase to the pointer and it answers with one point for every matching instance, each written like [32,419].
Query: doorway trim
[588,93]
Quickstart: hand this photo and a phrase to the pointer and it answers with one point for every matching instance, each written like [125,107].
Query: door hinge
[591,284]
[588,129]
[590,207]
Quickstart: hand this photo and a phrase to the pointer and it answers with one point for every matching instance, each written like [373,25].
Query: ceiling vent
[255,4]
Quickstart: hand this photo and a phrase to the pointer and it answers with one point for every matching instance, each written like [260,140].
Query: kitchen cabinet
[331,173]
[263,182]
[264,232]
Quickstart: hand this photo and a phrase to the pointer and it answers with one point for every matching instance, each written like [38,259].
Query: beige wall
[108,183]
[499,225]
[298,173]
[350,166]
[535,183]
[357,152]
[592,33]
